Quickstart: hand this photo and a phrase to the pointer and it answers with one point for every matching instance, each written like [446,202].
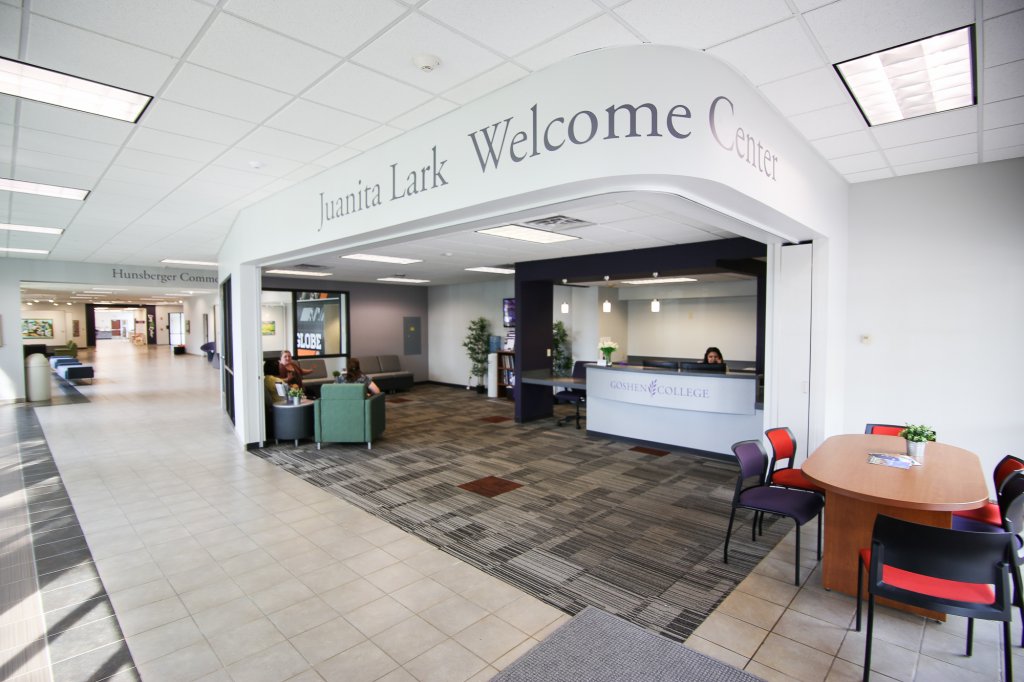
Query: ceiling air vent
[557,221]
[307,266]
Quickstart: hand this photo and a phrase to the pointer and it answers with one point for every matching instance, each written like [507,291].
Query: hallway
[221,566]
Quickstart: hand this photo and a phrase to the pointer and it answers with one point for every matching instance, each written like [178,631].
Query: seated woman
[290,370]
[354,375]
[713,356]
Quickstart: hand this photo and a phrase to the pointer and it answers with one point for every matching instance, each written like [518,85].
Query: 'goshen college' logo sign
[652,389]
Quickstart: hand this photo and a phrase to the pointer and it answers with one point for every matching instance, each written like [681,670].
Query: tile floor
[220,566]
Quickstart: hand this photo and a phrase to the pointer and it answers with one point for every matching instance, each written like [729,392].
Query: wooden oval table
[856,491]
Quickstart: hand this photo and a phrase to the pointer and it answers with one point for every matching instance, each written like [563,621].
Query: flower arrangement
[294,391]
[918,433]
[607,347]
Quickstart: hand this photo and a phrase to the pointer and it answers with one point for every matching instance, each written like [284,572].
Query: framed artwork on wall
[74,327]
[188,326]
[37,329]
[269,327]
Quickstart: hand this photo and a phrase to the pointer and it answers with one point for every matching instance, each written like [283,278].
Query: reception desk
[694,410]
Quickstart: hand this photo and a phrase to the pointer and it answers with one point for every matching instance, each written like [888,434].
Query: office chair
[883,429]
[574,396]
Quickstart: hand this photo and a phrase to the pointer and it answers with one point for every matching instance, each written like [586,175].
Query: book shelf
[506,373]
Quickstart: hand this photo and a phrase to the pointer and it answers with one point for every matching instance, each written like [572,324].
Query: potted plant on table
[478,345]
[295,394]
[607,347]
[917,436]
[337,376]
[561,356]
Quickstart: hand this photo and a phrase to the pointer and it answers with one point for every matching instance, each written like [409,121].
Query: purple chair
[795,504]
[574,396]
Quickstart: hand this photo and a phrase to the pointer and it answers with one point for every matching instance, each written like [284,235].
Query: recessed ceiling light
[382,259]
[31,228]
[13,250]
[52,87]
[924,77]
[175,261]
[301,273]
[659,280]
[8,185]
[404,280]
[527,234]
[496,271]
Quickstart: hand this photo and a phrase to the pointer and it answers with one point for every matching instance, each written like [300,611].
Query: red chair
[939,569]
[991,513]
[884,429]
[784,450]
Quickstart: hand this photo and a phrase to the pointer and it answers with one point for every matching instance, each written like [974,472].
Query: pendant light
[565,308]
[606,306]
[655,306]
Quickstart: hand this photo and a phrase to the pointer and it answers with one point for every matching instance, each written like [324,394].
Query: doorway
[176,328]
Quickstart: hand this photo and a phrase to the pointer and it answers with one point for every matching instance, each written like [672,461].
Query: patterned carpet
[593,521]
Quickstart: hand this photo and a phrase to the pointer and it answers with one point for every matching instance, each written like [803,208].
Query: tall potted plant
[561,355]
[477,345]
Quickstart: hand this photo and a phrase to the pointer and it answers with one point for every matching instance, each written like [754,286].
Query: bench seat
[75,372]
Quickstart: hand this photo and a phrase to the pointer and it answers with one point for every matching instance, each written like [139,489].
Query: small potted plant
[337,376]
[917,435]
[295,394]
[478,344]
[607,347]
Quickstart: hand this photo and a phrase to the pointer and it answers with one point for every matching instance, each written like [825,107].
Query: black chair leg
[796,567]
[728,532]
[867,642]
[970,636]
[819,536]
[1007,656]
[860,588]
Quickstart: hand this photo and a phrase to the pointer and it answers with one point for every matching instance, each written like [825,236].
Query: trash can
[37,377]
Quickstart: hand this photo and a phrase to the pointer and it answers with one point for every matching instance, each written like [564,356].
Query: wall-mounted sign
[726,394]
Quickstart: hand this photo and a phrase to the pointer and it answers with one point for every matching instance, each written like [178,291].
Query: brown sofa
[386,372]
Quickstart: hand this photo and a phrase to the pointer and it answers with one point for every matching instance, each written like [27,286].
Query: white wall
[195,307]
[685,327]
[450,310]
[936,283]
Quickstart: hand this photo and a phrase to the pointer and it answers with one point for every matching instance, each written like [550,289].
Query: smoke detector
[426,62]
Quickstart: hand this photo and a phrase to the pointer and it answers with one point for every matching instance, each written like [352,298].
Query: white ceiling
[297,87]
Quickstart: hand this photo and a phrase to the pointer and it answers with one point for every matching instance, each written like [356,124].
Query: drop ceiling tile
[309,119]
[924,128]
[1004,153]
[486,83]
[166,26]
[59,163]
[935,149]
[510,27]
[172,117]
[39,116]
[380,98]
[136,176]
[993,8]
[699,24]
[374,138]
[174,166]
[867,176]
[773,53]
[1005,81]
[859,162]
[65,145]
[808,5]
[834,120]
[603,31]
[7,104]
[858,142]
[1004,113]
[10,30]
[339,155]
[81,53]
[392,54]
[1010,136]
[270,166]
[285,145]
[937,164]
[422,114]
[205,89]
[178,146]
[807,92]
[852,28]
[317,22]
[255,54]
[1004,39]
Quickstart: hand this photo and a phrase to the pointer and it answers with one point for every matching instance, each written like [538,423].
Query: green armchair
[344,415]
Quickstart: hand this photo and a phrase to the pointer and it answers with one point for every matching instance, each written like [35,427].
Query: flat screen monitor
[703,367]
[508,312]
[661,364]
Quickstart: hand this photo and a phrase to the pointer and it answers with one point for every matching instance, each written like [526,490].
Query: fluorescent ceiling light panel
[403,280]
[31,228]
[300,273]
[924,77]
[52,87]
[13,250]
[382,259]
[8,185]
[495,271]
[527,234]
[175,261]
[659,280]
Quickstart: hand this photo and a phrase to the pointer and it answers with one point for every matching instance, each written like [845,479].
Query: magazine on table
[891,460]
